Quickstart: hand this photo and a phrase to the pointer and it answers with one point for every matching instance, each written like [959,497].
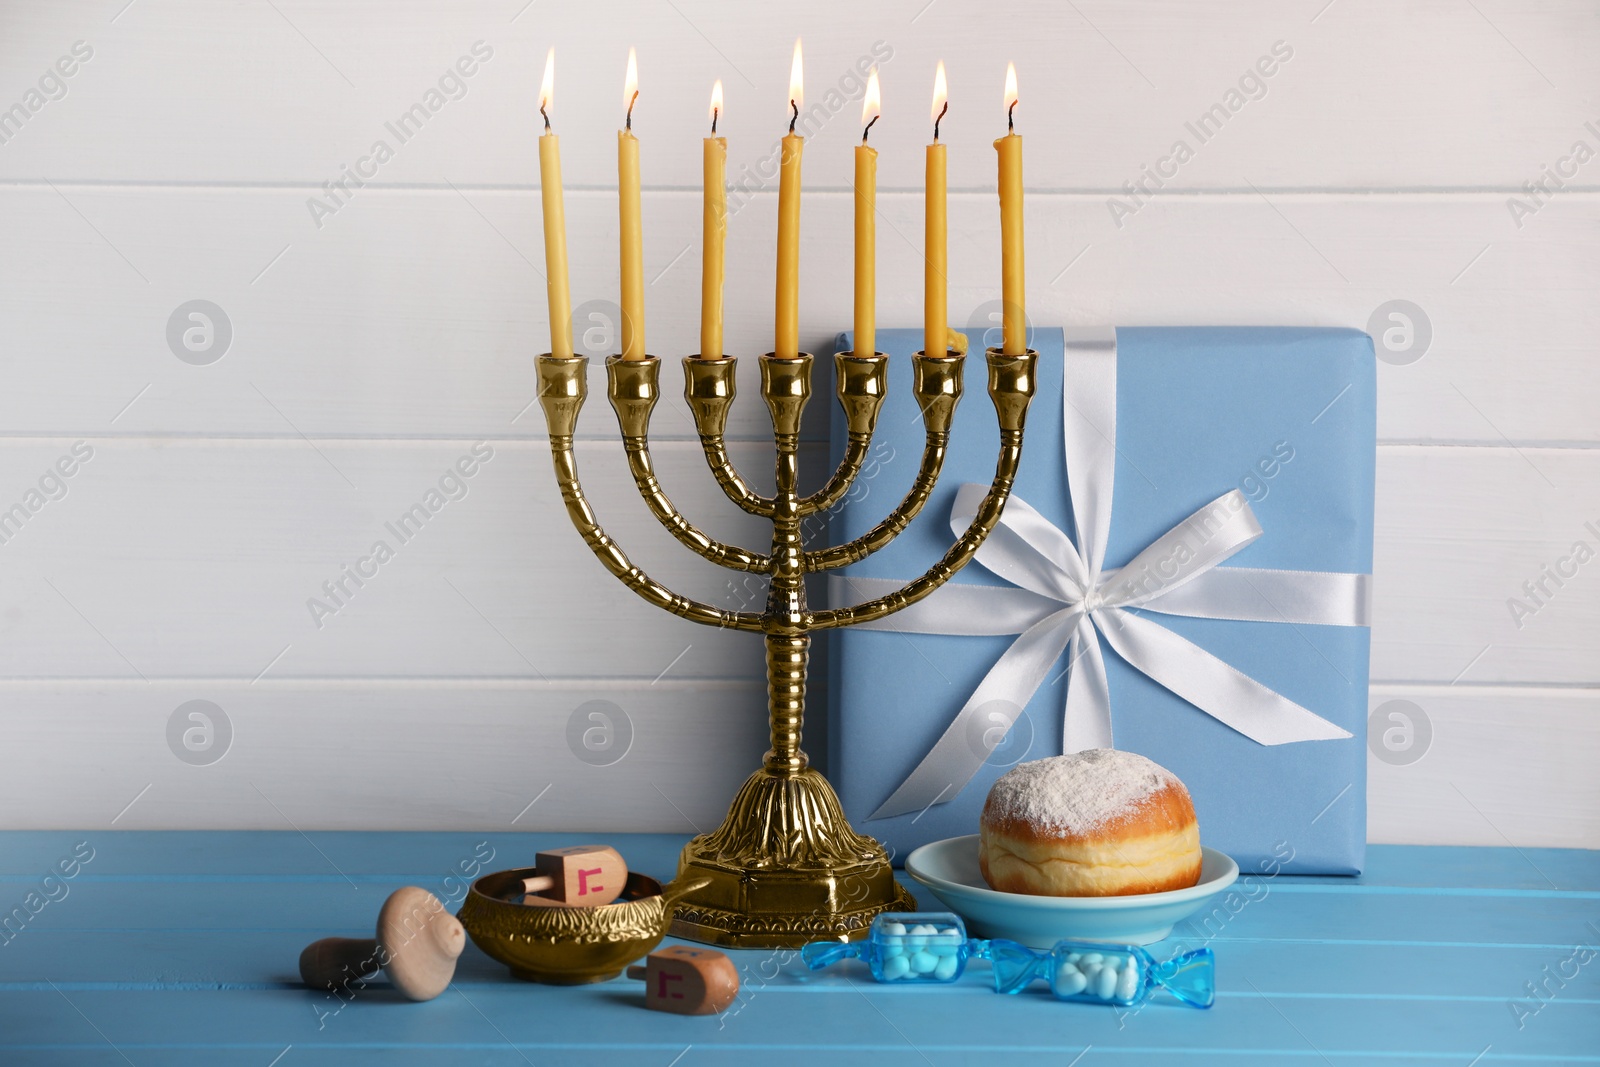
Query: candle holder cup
[785,867]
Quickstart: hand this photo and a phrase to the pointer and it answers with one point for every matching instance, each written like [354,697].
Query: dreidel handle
[582,876]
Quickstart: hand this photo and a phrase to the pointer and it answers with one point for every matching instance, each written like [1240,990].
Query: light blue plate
[949,868]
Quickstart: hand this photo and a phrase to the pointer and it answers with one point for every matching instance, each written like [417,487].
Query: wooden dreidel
[688,980]
[417,946]
[580,875]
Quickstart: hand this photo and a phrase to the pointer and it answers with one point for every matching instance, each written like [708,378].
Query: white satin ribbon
[1061,598]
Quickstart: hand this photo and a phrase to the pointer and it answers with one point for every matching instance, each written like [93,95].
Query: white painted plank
[383,756]
[1505,766]
[193,559]
[178,166]
[1373,94]
[418,313]
[1459,532]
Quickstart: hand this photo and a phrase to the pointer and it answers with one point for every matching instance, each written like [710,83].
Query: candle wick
[631,101]
[714,120]
[545,116]
[796,116]
[940,119]
[868,130]
[1010,124]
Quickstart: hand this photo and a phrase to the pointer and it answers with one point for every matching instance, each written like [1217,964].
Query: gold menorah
[785,867]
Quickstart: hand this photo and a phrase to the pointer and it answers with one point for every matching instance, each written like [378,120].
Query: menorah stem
[786,688]
[786,385]
[788,645]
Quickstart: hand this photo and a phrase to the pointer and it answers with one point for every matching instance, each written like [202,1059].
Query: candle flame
[630,84]
[547,91]
[871,104]
[797,93]
[1011,87]
[941,93]
[716,102]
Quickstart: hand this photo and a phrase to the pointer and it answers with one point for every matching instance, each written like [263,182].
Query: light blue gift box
[1285,415]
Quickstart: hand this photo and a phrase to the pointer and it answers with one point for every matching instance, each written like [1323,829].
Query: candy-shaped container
[1103,974]
[904,947]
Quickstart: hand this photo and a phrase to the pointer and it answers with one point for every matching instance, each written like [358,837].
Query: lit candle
[555,221]
[866,233]
[1012,297]
[628,217]
[715,234]
[786,317]
[935,276]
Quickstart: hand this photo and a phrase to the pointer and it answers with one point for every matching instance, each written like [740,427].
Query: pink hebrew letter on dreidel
[686,980]
[581,875]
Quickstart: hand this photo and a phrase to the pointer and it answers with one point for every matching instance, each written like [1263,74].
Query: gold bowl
[568,945]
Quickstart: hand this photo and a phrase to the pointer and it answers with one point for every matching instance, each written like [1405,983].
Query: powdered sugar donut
[1096,823]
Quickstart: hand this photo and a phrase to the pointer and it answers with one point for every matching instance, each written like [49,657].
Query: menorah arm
[861,383]
[733,484]
[1011,382]
[562,390]
[633,386]
[937,387]
[709,388]
[959,555]
[855,455]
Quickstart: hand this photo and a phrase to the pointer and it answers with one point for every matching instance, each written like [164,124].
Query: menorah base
[785,869]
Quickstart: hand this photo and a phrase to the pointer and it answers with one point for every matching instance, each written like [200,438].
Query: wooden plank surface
[451,671]
[1378,162]
[415,313]
[170,947]
[289,93]
[489,755]
[234,549]
[472,755]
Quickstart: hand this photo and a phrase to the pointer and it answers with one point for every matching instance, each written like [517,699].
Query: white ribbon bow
[1063,597]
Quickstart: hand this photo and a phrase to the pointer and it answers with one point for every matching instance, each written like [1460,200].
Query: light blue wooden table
[180,948]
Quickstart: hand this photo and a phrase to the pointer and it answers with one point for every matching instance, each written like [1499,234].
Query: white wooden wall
[372,352]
